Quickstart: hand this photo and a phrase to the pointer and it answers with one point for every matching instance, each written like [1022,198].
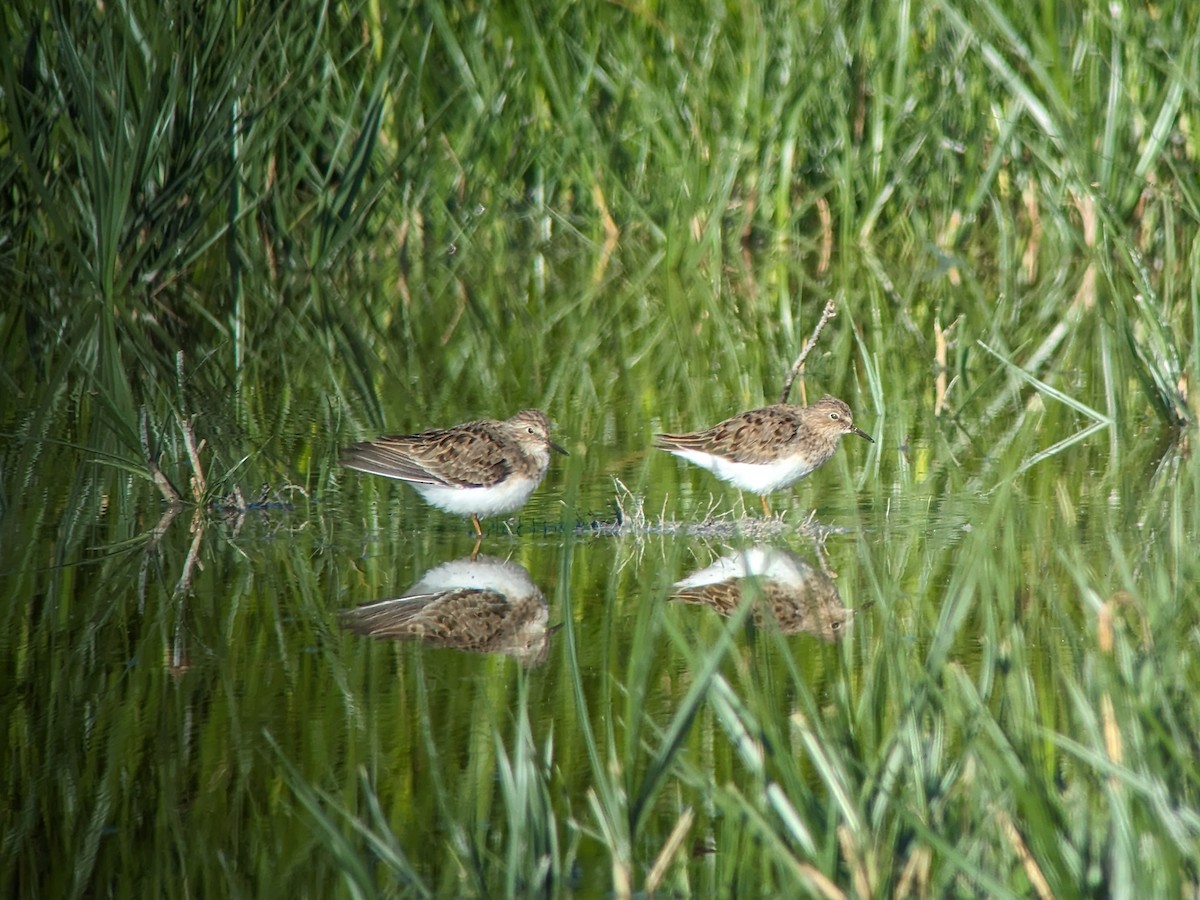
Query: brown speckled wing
[757,436]
[464,618]
[470,455]
[387,618]
[476,620]
[724,596]
[812,608]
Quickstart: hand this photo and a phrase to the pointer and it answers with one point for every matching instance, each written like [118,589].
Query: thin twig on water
[161,481]
[829,312]
[199,482]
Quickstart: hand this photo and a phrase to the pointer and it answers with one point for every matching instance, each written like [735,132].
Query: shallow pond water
[213,677]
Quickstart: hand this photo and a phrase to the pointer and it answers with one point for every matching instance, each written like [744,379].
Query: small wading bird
[799,597]
[479,604]
[484,468]
[767,449]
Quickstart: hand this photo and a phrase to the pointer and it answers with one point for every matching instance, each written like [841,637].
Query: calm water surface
[613,584]
[205,697]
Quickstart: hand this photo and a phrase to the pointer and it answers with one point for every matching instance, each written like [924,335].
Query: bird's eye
[835,625]
[834,416]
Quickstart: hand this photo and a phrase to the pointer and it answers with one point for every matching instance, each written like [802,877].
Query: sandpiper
[478,603]
[797,595]
[483,468]
[766,449]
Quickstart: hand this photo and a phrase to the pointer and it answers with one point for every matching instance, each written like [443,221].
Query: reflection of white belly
[502,498]
[480,574]
[761,478]
[782,567]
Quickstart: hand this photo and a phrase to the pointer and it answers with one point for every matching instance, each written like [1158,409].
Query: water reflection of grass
[289,231]
[1006,719]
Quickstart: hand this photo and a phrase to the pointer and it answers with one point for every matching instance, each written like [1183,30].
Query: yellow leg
[766,505]
[478,537]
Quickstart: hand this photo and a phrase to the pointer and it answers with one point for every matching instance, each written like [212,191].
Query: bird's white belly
[761,478]
[495,500]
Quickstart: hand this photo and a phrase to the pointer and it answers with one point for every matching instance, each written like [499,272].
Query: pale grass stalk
[674,840]
[864,884]
[1112,731]
[1032,870]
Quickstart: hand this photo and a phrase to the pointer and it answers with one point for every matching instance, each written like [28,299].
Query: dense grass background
[278,229]
[360,179]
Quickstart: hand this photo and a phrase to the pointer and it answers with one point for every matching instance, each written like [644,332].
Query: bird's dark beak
[554,446]
[862,434]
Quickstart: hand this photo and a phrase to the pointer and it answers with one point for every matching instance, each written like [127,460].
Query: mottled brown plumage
[478,604]
[483,468]
[764,450]
[787,589]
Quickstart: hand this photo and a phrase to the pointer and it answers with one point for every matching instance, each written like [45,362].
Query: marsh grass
[286,228]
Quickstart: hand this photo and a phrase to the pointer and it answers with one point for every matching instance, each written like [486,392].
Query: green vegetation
[234,237]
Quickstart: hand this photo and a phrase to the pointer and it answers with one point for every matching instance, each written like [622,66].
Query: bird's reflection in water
[483,605]
[796,594]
